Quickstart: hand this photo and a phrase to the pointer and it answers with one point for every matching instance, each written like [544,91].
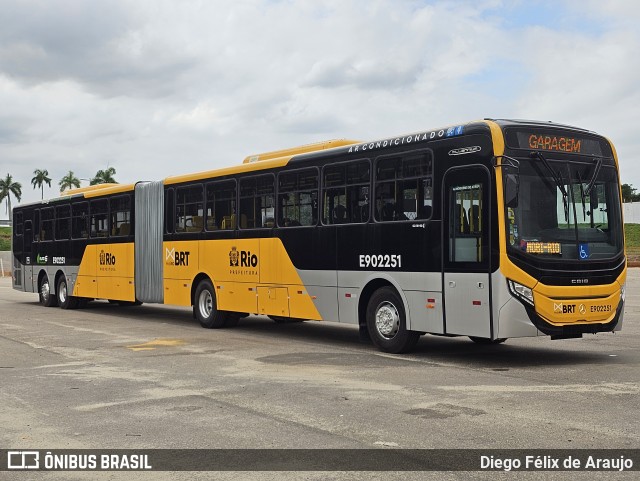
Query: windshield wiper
[583,195]
[556,178]
[592,182]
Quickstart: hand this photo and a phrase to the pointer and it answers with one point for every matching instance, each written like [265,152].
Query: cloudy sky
[155,88]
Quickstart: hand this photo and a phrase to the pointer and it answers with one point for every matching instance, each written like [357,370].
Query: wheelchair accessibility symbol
[583,250]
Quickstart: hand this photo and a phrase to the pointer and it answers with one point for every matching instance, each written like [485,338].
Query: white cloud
[156,88]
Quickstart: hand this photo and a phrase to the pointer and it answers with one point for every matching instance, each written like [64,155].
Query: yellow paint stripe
[151,345]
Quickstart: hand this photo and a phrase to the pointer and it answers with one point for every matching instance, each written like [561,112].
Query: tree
[104,177]
[69,181]
[629,193]
[7,188]
[40,178]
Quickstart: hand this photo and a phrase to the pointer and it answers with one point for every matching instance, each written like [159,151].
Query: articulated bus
[493,229]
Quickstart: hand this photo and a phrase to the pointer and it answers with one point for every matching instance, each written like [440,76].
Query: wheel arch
[196,280]
[52,285]
[59,273]
[371,286]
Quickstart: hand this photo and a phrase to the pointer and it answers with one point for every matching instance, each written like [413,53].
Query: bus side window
[189,208]
[169,213]
[47,222]
[257,202]
[403,187]
[99,215]
[63,222]
[346,193]
[79,218]
[221,205]
[298,198]
[120,215]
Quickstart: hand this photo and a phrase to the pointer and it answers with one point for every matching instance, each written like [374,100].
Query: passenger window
[189,209]
[99,218]
[346,193]
[80,220]
[63,222]
[404,187]
[120,208]
[18,222]
[257,202]
[298,198]
[221,205]
[47,221]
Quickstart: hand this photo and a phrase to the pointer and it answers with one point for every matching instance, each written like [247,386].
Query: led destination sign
[558,141]
[552,142]
[543,248]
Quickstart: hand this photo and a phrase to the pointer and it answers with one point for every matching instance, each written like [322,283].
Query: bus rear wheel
[387,323]
[44,291]
[205,308]
[65,301]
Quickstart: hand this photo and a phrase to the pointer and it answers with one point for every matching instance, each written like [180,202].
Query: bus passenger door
[465,246]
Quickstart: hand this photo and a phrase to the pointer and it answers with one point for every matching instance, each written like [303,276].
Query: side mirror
[511,189]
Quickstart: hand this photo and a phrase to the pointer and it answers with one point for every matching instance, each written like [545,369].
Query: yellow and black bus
[492,229]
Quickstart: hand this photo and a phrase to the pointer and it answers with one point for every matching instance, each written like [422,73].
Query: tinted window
[298,198]
[99,218]
[346,193]
[80,220]
[257,202]
[404,187]
[221,205]
[47,222]
[189,209]
[120,208]
[63,222]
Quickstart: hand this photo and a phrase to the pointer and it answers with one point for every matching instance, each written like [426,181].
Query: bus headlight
[520,291]
[622,292]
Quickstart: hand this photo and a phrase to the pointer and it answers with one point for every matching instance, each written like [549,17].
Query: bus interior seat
[125,229]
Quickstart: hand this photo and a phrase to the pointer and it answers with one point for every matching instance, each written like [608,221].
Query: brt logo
[177,258]
[242,258]
[564,308]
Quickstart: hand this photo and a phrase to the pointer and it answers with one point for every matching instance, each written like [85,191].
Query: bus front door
[465,240]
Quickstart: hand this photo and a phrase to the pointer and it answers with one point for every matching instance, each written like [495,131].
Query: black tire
[65,301]
[486,341]
[387,322]
[205,308]
[44,291]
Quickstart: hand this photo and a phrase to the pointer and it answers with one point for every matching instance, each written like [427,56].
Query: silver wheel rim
[205,304]
[387,320]
[45,291]
[62,294]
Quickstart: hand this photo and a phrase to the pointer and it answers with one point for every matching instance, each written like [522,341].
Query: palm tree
[8,187]
[69,181]
[40,178]
[104,177]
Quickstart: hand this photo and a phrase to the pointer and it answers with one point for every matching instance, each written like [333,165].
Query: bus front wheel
[44,291]
[387,323]
[205,308]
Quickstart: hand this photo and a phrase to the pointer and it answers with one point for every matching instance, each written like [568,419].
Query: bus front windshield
[565,211]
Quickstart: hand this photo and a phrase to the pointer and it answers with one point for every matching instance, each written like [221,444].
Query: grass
[5,238]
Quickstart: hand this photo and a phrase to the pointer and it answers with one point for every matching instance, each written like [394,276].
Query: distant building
[631,212]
